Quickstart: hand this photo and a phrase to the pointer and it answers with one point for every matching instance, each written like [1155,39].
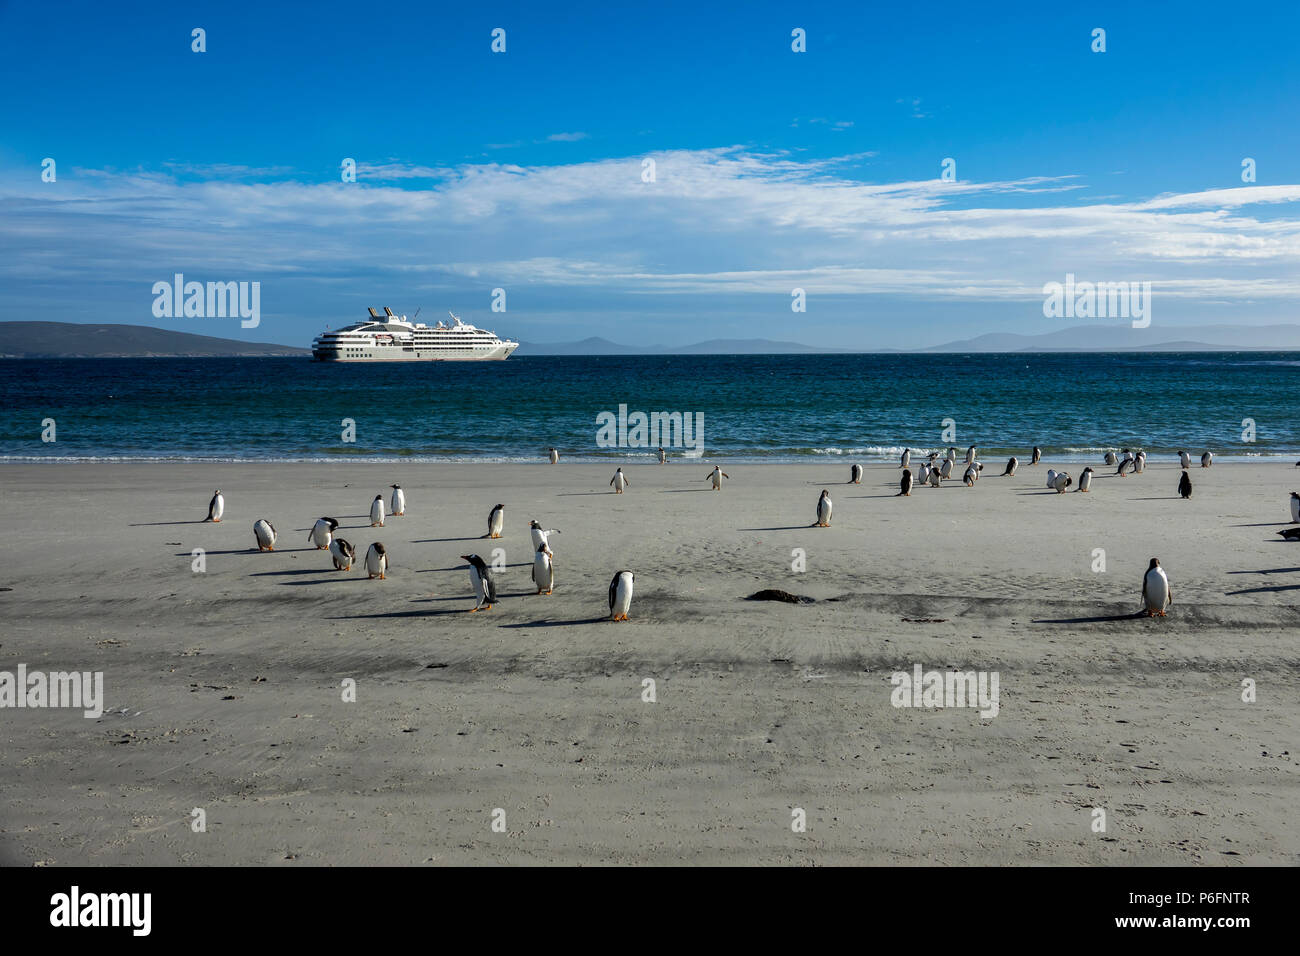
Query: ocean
[752,407]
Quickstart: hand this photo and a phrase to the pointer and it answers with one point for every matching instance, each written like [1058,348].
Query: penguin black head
[394,486]
[499,507]
[380,497]
[379,547]
[533,524]
[476,562]
[1155,563]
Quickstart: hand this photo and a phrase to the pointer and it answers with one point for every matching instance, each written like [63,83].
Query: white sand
[536,706]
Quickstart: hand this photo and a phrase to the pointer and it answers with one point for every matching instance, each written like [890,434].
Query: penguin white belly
[1051,477]
[377,513]
[619,482]
[1085,481]
[1184,459]
[496,523]
[717,480]
[1295,508]
[264,533]
[480,595]
[622,596]
[543,572]
[376,563]
[824,511]
[218,508]
[934,477]
[1157,590]
[399,501]
[320,535]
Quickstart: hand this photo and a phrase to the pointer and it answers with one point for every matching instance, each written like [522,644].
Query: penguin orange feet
[472,610]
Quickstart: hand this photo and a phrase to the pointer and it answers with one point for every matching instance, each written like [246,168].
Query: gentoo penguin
[377,512]
[855,475]
[620,595]
[934,477]
[1295,507]
[1139,462]
[343,554]
[265,534]
[1207,460]
[399,501]
[970,454]
[923,473]
[1051,477]
[496,521]
[824,510]
[905,486]
[716,476]
[376,562]
[945,470]
[1012,464]
[1184,459]
[1036,455]
[1291,534]
[662,457]
[1110,458]
[541,536]
[1061,482]
[1125,466]
[322,533]
[906,458]
[619,481]
[553,455]
[1127,455]
[970,476]
[485,585]
[1185,485]
[1156,595]
[216,507]
[543,569]
[1085,479]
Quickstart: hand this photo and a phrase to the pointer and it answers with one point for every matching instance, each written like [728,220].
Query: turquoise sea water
[766,407]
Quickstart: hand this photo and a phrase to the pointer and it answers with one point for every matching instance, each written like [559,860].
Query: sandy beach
[223,688]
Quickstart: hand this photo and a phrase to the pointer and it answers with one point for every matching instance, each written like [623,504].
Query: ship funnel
[388,312]
[373,313]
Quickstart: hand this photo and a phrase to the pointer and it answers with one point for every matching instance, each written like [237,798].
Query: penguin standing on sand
[322,532]
[906,458]
[620,595]
[1085,479]
[1185,486]
[970,476]
[1125,466]
[541,536]
[399,501]
[905,486]
[1139,462]
[1012,464]
[1051,477]
[377,512]
[923,473]
[216,507]
[483,582]
[544,569]
[1295,507]
[496,521]
[945,470]
[934,477]
[1061,482]
[855,475]
[553,455]
[824,510]
[1110,459]
[716,476]
[376,562]
[619,481]
[1184,459]
[1207,459]
[663,458]
[970,454]
[1156,594]
[1036,455]
[265,534]
[343,554]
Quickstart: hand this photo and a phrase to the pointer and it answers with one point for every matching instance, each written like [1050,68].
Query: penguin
[906,458]
[216,507]
[541,536]
[553,455]
[1110,459]
[945,470]
[1156,595]
[1207,459]
[1295,507]
[619,481]
[496,520]
[1291,534]
[716,476]
[1184,459]
[1061,482]
[377,512]
[970,476]
[376,562]
[543,569]
[343,554]
[951,453]
[620,595]
[1085,479]
[398,503]
[1012,464]
[1139,462]
[265,534]
[905,486]
[484,584]
[1051,477]
[934,477]
[663,458]
[1185,485]
[1036,455]
[855,475]
[970,454]
[824,510]
[1125,465]
[923,473]
[322,532]
[978,466]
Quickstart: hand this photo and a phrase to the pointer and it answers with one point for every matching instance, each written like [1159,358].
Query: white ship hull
[388,338]
[390,354]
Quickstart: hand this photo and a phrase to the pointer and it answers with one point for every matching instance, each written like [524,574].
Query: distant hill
[599,346]
[77,340]
[1125,338]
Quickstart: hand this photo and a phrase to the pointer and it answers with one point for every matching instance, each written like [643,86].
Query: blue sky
[775,170]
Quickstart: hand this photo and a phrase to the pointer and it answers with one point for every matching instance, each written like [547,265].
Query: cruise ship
[388,338]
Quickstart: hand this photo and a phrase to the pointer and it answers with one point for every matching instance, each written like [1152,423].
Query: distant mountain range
[77,340]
